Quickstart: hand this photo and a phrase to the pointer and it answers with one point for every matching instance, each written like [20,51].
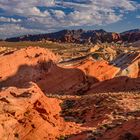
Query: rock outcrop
[28,114]
[92,99]
[38,65]
[128,63]
[10,62]
[101,70]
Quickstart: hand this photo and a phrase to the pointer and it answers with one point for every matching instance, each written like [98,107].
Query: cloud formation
[9,20]
[138,16]
[50,15]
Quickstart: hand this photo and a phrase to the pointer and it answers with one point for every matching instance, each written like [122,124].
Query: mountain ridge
[82,36]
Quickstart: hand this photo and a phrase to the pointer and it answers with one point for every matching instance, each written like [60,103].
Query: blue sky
[20,17]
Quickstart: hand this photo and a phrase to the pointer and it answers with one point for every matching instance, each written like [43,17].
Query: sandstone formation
[101,70]
[12,61]
[27,114]
[129,64]
[93,99]
[37,65]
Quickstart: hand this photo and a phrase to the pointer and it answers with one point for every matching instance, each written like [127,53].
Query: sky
[20,17]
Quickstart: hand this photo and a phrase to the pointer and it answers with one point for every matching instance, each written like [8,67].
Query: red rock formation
[11,62]
[116,84]
[28,114]
[129,130]
[128,64]
[100,70]
[116,37]
[38,65]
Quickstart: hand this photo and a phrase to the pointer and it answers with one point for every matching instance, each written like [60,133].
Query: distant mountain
[131,35]
[82,36]
[131,31]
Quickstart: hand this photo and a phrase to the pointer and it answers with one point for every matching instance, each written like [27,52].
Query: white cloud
[9,30]
[6,19]
[138,16]
[24,7]
[58,13]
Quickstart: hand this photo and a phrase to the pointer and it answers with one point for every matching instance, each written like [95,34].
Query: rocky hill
[41,98]
[82,36]
[131,35]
